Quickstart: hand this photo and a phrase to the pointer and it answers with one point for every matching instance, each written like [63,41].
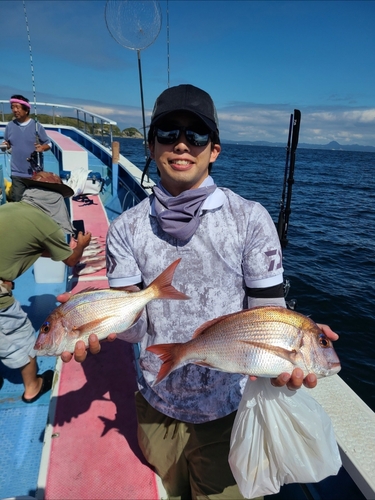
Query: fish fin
[87,327]
[167,353]
[162,285]
[137,316]
[88,289]
[201,329]
[274,349]
[131,288]
[206,365]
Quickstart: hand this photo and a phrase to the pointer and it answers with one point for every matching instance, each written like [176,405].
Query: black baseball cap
[186,98]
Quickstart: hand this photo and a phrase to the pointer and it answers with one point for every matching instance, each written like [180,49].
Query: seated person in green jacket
[32,228]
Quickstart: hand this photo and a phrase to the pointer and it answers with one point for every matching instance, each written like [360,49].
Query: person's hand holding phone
[79,226]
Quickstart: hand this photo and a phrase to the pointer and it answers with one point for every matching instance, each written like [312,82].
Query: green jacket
[25,233]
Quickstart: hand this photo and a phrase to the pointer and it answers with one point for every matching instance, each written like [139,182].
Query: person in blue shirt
[25,138]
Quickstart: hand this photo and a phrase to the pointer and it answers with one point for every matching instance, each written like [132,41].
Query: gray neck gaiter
[52,204]
[179,216]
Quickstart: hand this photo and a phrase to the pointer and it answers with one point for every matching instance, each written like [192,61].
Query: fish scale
[237,354]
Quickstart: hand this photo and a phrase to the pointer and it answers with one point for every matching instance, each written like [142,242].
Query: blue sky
[258,59]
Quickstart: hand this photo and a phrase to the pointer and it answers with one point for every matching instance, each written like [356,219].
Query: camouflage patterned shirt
[236,245]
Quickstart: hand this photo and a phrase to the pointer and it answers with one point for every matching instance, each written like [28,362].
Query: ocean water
[330,256]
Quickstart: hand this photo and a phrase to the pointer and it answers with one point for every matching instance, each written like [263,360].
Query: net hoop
[134,24]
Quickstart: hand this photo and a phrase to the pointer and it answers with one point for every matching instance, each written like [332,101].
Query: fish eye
[323,341]
[45,327]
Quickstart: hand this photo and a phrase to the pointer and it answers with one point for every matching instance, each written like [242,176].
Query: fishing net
[134,24]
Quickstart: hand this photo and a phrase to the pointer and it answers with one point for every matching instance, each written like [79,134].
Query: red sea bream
[263,341]
[101,312]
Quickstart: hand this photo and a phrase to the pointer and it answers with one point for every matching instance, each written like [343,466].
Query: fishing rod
[168,59]
[36,158]
[286,197]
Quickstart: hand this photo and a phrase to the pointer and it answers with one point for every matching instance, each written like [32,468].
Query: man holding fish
[230,261]
[32,228]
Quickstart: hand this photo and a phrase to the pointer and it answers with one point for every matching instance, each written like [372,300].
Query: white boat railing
[354,425]
[86,120]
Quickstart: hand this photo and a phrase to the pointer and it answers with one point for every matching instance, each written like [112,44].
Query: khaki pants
[191,459]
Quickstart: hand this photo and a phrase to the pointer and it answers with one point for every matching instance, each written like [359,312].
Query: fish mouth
[336,367]
[42,351]
[333,369]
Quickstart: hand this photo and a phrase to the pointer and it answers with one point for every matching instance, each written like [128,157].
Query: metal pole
[143,107]
[168,71]
[115,160]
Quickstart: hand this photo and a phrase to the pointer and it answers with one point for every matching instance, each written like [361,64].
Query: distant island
[91,128]
[332,146]
[130,133]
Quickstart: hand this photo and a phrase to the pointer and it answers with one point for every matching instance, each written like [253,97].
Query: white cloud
[319,125]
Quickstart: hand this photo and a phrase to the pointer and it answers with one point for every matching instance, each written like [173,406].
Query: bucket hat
[50,181]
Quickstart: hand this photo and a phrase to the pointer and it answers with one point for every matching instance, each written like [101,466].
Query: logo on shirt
[276,262]
[111,263]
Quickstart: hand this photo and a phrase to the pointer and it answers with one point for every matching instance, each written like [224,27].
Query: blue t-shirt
[22,138]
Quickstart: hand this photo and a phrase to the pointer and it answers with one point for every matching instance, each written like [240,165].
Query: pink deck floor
[94,451]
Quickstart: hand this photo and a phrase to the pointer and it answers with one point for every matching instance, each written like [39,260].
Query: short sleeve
[262,259]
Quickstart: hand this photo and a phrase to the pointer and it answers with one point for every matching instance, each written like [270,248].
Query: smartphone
[79,226]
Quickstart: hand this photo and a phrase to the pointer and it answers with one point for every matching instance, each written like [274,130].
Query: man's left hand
[39,148]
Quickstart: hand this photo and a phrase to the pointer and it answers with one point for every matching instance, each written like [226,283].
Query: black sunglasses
[172,136]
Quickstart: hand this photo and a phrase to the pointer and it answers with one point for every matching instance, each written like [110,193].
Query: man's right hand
[83,239]
[80,351]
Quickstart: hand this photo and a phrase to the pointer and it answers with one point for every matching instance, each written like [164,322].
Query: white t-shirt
[236,245]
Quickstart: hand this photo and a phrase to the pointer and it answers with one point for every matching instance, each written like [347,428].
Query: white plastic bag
[278,437]
[77,180]
[82,183]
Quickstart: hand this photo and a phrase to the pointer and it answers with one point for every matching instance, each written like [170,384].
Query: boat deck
[80,440]
[22,426]
[91,449]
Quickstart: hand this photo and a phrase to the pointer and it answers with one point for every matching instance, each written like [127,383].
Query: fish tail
[168,354]
[162,285]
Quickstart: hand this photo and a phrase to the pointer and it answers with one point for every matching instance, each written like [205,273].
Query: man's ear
[215,152]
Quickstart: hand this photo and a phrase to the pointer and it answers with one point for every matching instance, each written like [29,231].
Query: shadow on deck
[94,451]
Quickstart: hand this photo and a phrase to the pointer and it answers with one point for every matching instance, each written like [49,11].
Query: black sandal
[46,386]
